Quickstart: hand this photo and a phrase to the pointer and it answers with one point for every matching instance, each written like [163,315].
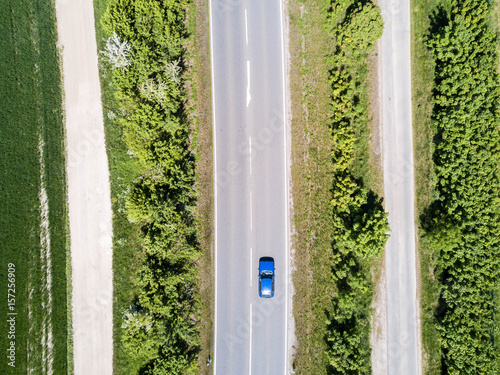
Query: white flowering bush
[135,318]
[173,70]
[117,52]
[154,91]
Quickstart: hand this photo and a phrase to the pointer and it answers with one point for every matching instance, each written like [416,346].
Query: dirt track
[90,214]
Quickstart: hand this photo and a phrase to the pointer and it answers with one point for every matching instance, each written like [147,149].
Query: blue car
[266,277]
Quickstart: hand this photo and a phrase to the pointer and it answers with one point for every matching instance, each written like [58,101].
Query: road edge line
[214,135]
[285,156]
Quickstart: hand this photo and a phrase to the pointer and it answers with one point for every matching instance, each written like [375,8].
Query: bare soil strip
[47,344]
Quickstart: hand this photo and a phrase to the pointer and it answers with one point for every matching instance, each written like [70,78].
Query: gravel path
[403,322]
[88,191]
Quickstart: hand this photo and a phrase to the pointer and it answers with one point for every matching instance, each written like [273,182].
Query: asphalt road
[88,191]
[251,206]
[403,338]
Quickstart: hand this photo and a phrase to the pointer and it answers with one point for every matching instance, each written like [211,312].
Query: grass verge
[33,216]
[200,115]
[422,83]
[321,299]
[311,171]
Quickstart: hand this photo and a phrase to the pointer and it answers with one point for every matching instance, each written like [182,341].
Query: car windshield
[266,273]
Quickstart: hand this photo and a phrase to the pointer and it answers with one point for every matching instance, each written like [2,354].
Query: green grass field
[34,230]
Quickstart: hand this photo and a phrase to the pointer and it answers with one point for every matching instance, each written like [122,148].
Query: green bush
[358,215]
[463,222]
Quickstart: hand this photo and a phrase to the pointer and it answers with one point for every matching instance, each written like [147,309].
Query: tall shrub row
[463,222]
[358,215]
[145,54]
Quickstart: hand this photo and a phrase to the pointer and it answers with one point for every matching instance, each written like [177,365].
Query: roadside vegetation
[340,230]
[422,83]
[33,213]
[460,224]
[151,136]
[199,109]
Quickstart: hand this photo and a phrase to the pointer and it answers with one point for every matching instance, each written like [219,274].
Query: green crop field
[33,213]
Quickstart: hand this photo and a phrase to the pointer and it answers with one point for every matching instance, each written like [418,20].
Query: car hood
[266,266]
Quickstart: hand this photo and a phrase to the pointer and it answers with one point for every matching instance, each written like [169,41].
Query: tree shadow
[438,21]
[428,218]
